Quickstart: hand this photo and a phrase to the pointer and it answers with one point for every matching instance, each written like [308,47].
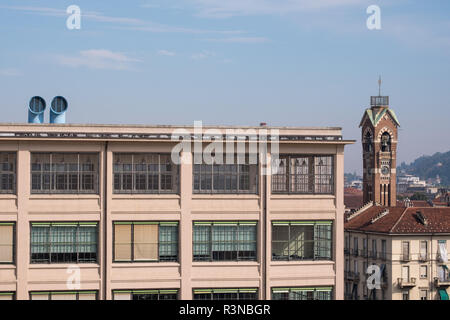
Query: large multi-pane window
[64,242]
[70,173]
[145,173]
[7,296]
[319,293]
[303,174]
[7,172]
[226,294]
[302,240]
[224,240]
[240,176]
[7,242]
[154,294]
[145,241]
[63,295]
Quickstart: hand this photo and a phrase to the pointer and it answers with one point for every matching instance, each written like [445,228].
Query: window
[64,295]
[145,173]
[423,294]
[224,241]
[163,294]
[69,173]
[226,294]
[374,248]
[383,249]
[145,241]
[365,249]
[7,296]
[301,240]
[304,174]
[7,172]
[405,295]
[355,245]
[423,250]
[64,242]
[423,272]
[239,177]
[385,142]
[405,250]
[302,293]
[7,242]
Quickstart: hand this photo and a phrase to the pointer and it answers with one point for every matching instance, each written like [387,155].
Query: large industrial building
[105,212]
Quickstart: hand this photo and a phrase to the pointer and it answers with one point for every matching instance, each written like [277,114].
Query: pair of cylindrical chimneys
[37,107]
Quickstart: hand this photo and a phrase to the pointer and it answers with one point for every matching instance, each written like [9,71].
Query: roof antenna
[379,86]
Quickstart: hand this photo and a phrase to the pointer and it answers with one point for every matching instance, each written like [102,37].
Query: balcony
[405,257]
[423,257]
[364,253]
[442,282]
[382,256]
[406,283]
[352,276]
[346,251]
[373,255]
[355,252]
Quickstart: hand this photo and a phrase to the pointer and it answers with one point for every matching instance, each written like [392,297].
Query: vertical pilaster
[186,225]
[23,223]
[339,225]
[107,157]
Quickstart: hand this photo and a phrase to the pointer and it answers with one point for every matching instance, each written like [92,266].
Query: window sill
[8,196]
[224,263]
[224,196]
[119,196]
[279,196]
[63,265]
[302,262]
[146,264]
[45,196]
[4,265]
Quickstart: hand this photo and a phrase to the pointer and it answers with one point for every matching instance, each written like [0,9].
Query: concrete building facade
[103,212]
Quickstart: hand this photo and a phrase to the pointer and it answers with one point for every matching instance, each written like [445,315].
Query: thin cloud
[202,55]
[125,23]
[230,8]
[166,53]
[98,59]
[10,72]
[241,40]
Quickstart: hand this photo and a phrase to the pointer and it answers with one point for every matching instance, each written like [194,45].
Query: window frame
[133,223]
[314,290]
[14,245]
[237,291]
[53,174]
[220,171]
[235,243]
[311,176]
[157,292]
[13,190]
[314,224]
[174,173]
[76,244]
[76,292]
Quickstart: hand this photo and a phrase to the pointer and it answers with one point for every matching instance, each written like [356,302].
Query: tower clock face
[385,170]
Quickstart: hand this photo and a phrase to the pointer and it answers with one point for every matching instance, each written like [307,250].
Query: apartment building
[408,244]
[104,212]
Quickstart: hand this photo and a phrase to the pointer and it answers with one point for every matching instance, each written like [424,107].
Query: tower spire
[379,86]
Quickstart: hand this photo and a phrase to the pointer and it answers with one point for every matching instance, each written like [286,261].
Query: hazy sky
[236,62]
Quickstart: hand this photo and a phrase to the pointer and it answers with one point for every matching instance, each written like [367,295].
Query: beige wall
[186,207]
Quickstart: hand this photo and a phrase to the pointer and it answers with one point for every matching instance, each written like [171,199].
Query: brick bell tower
[379,141]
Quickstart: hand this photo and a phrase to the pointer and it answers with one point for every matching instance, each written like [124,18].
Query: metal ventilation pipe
[58,110]
[36,110]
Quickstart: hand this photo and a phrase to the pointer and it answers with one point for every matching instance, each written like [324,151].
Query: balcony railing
[442,282]
[373,255]
[355,252]
[406,283]
[346,251]
[352,275]
[364,253]
[405,257]
[423,257]
[382,256]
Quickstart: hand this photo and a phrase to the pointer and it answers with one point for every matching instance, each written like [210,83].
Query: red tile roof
[402,220]
[353,201]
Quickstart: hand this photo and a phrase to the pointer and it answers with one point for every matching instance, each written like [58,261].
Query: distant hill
[427,167]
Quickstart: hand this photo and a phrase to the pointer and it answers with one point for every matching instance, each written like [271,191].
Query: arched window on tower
[385,142]
[368,142]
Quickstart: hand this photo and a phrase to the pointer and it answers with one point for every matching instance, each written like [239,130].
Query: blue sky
[237,62]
